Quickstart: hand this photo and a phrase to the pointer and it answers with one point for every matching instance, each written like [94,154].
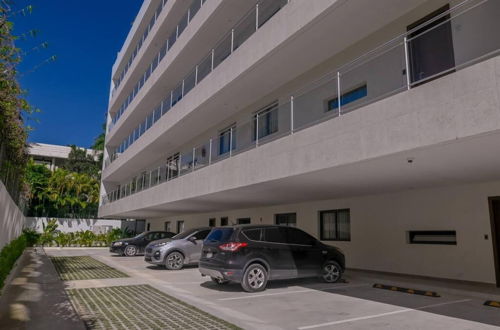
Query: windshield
[184,234]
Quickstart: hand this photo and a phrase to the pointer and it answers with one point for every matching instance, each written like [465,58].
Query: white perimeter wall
[379,226]
[11,218]
[72,225]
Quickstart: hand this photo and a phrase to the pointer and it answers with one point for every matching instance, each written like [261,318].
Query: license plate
[210,254]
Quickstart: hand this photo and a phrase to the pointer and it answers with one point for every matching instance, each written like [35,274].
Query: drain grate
[141,307]
[83,268]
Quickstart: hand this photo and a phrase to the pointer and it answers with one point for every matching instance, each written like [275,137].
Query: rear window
[220,235]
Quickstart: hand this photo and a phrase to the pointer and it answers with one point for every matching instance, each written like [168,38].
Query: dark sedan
[136,245]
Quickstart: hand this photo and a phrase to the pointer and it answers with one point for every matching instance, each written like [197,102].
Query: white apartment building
[372,125]
[54,156]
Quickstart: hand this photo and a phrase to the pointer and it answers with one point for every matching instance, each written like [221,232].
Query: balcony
[386,87]
[252,21]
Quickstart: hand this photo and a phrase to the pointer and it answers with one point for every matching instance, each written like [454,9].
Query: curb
[406,290]
[492,303]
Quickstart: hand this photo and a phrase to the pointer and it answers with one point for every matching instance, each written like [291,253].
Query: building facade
[54,156]
[372,125]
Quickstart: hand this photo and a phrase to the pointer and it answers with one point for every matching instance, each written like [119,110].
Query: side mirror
[192,239]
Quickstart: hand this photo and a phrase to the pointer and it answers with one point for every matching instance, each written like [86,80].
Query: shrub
[9,255]
[32,236]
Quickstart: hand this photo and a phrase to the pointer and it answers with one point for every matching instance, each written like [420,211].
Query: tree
[80,161]
[99,145]
[37,177]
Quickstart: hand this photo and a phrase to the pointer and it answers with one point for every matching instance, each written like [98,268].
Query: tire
[130,251]
[255,278]
[219,281]
[331,272]
[174,261]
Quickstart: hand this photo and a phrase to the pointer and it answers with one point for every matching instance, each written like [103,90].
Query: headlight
[160,244]
[118,243]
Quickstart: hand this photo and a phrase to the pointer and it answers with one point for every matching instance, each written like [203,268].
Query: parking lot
[301,304]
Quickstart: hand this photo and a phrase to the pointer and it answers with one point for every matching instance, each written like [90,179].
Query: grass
[141,307]
[83,268]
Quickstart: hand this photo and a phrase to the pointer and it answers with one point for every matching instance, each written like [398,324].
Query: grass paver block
[139,307]
[83,268]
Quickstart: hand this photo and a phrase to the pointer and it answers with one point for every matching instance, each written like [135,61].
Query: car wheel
[130,251]
[254,278]
[332,272]
[219,281]
[174,261]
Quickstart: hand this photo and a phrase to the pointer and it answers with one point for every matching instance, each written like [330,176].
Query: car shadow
[447,305]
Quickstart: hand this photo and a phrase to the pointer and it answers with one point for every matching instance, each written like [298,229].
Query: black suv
[253,254]
[136,245]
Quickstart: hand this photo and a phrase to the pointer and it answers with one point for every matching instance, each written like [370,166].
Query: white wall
[379,226]
[72,225]
[11,218]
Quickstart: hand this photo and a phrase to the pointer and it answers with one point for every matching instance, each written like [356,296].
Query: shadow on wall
[67,225]
[11,218]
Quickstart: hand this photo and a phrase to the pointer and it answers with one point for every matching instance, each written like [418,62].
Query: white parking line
[382,314]
[293,292]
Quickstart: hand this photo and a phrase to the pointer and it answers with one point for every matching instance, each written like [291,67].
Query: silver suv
[182,249]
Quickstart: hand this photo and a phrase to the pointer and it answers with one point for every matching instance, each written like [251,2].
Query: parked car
[253,254]
[136,245]
[180,250]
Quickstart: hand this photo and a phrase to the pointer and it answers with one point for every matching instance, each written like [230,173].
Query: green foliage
[9,255]
[82,163]
[61,193]
[32,236]
[49,232]
[80,238]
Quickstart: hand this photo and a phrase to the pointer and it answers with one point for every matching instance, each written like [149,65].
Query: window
[244,221]
[275,235]
[220,235]
[172,166]
[440,237]
[266,121]
[180,226]
[227,140]
[201,235]
[148,227]
[224,221]
[286,219]
[349,97]
[211,222]
[167,225]
[253,234]
[335,225]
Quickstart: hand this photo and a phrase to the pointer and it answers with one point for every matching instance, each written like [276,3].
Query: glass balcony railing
[183,23]
[250,23]
[139,44]
[396,66]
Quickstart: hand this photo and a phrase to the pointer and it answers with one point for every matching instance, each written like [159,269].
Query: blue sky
[73,91]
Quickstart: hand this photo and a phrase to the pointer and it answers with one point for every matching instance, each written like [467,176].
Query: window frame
[335,103]
[285,214]
[336,211]
[266,111]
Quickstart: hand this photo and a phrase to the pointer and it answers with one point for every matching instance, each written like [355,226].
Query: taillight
[232,247]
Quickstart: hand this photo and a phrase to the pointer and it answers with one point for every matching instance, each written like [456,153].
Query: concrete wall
[379,226]
[11,218]
[72,225]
